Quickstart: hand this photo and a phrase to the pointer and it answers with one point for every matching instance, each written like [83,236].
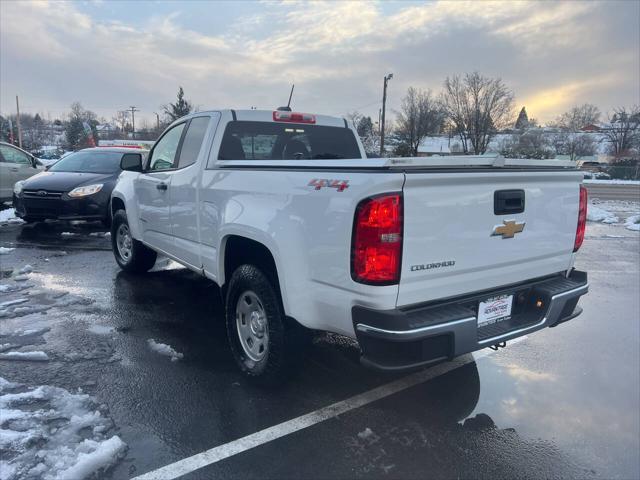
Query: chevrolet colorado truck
[418,259]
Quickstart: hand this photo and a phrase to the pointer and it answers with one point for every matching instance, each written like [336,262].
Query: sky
[111,55]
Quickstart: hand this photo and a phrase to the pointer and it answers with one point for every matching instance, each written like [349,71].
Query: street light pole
[384,103]
[133,121]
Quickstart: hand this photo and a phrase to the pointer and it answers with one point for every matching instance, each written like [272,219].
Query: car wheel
[131,255]
[262,339]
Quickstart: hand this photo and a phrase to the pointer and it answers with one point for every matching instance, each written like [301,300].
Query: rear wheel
[263,341]
[130,254]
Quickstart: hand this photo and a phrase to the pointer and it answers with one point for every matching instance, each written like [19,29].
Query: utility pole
[133,121]
[19,127]
[384,103]
[157,122]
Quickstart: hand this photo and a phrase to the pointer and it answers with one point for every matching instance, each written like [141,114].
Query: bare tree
[574,144]
[369,137]
[477,107]
[623,132]
[420,115]
[579,117]
[530,144]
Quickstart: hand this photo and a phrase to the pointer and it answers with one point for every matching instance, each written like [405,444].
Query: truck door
[184,188]
[153,192]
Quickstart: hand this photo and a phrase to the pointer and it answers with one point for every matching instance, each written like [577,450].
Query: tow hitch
[498,345]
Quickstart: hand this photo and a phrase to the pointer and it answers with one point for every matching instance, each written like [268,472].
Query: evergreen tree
[523,120]
[182,107]
[364,127]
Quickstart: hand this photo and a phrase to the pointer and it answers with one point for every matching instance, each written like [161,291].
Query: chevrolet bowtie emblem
[509,229]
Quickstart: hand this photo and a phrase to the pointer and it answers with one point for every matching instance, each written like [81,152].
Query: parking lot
[563,402]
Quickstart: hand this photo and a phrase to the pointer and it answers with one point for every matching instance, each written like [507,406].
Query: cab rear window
[279,141]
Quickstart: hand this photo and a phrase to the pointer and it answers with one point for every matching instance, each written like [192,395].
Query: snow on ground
[164,349]
[9,216]
[633,223]
[5,250]
[25,356]
[612,182]
[50,433]
[597,214]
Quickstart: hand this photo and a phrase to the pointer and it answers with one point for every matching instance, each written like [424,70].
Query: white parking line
[221,452]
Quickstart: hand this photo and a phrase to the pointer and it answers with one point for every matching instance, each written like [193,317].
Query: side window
[163,156]
[193,141]
[12,155]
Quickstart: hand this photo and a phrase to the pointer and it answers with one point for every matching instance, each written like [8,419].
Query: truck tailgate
[452,243]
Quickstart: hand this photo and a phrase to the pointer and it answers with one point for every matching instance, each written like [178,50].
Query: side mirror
[47,167]
[131,162]
[34,162]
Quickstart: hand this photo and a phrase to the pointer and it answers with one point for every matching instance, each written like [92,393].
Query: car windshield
[89,162]
[283,141]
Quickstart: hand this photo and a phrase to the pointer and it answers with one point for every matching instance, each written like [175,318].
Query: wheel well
[116,204]
[241,250]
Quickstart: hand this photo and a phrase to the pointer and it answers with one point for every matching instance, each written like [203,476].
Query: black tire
[140,258]
[283,349]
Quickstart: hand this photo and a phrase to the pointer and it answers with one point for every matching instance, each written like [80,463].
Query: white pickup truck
[419,259]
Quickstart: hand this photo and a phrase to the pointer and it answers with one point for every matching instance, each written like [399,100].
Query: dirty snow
[16,301]
[25,356]
[68,234]
[100,234]
[26,269]
[633,223]
[9,216]
[5,250]
[49,433]
[164,349]
[597,214]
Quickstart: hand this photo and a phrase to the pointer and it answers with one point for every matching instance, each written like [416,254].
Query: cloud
[552,54]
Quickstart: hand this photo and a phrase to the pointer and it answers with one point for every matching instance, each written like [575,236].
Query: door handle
[161,186]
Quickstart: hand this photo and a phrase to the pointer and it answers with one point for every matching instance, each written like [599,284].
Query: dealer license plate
[494,309]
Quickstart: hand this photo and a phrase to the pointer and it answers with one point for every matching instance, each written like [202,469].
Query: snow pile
[633,223]
[68,234]
[50,433]
[25,356]
[9,216]
[100,234]
[596,214]
[26,269]
[5,250]
[164,349]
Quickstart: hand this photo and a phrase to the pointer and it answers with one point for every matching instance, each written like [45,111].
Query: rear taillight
[377,240]
[582,219]
[293,117]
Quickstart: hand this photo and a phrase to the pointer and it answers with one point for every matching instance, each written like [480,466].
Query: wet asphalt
[565,402]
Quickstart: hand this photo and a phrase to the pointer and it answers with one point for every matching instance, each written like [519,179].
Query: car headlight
[86,190]
[17,187]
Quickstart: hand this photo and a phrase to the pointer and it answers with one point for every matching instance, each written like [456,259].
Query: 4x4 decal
[339,185]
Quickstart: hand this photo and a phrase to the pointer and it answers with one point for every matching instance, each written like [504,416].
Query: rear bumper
[402,339]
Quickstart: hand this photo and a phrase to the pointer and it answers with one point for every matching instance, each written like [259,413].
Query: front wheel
[262,339]
[131,255]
